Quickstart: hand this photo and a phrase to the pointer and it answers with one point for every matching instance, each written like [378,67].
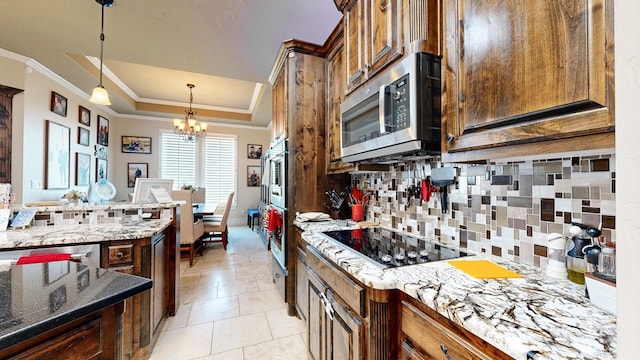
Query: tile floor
[230,309]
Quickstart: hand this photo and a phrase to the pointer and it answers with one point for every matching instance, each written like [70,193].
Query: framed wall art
[83,168]
[136,170]
[57,151]
[103,131]
[101,169]
[83,136]
[253,176]
[136,144]
[254,151]
[84,116]
[58,104]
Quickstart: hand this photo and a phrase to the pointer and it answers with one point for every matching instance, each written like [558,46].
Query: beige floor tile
[211,310]
[212,278]
[261,301]
[237,287]
[240,331]
[283,325]
[251,270]
[184,343]
[236,354]
[288,348]
[180,320]
[231,306]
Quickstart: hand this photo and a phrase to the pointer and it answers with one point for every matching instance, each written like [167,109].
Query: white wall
[246,197]
[627,48]
[31,109]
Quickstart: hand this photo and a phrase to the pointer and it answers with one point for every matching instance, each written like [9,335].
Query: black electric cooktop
[392,249]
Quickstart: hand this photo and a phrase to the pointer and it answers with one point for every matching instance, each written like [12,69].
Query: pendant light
[189,128]
[100,95]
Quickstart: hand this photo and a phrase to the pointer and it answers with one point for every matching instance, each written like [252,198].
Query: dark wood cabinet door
[335,97]
[302,289]
[279,120]
[315,325]
[383,31]
[354,43]
[521,71]
[345,332]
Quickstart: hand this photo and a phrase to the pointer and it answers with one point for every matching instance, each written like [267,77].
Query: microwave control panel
[401,106]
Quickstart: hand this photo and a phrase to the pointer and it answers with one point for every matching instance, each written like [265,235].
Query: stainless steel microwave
[394,114]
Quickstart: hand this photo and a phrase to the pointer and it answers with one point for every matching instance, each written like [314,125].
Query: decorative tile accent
[504,208]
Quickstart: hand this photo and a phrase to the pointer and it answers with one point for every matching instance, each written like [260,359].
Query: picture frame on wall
[101,169]
[103,131]
[57,156]
[253,176]
[84,116]
[83,169]
[254,151]
[58,104]
[83,136]
[136,144]
[136,170]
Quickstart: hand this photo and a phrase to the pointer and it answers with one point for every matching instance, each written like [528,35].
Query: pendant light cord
[101,43]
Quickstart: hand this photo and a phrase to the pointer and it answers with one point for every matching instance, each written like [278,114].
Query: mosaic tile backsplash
[503,208]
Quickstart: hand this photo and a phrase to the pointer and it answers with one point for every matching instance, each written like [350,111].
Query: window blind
[177,160]
[209,163]
[220,170]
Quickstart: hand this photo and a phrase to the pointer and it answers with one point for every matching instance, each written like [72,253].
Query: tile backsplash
[503,208]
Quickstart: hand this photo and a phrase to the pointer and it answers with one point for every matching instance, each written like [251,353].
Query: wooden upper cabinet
[522,72]
[279,99]
[380,32]
[335,97]
[372,37]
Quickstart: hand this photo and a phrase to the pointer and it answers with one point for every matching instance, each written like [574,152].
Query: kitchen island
[63,309]
[133,239]
[530,317]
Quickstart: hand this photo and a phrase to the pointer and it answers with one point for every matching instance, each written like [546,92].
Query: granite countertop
[39,297]
[517,316]
[79,234]
[46,206]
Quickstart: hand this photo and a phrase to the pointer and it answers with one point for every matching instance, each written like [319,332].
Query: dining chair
[216,230]
[190,231]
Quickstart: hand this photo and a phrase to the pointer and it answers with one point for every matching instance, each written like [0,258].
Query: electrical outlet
[36,184]
[244,211]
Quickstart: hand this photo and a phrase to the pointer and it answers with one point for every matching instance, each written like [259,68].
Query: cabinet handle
[277,275]
[328,308]
[445,351]
[119,255]
[450,137]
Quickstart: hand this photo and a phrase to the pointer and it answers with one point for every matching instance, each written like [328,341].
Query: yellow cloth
[483,269]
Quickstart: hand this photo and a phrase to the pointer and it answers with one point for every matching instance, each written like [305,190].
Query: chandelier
[189,128]
[100,95]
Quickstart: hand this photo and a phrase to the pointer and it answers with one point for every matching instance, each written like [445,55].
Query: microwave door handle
[381,108]
[385,106]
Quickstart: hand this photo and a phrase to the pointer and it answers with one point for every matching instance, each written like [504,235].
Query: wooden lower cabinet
[334,331]
[425,334]
[144,312]
[95,336]
[302,298]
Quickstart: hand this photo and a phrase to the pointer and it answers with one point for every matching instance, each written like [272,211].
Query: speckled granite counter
[79,234]
[517,316]
[31,306]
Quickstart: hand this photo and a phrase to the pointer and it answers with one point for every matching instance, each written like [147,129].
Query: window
[209,163]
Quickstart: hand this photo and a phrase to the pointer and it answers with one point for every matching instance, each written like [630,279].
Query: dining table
[201,210]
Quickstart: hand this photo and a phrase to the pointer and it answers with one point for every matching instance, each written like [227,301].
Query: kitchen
[625,151]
